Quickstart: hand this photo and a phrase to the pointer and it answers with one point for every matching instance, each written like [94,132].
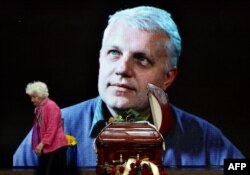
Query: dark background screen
[58,42]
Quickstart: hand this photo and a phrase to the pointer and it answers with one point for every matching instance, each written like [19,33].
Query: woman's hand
[39,149]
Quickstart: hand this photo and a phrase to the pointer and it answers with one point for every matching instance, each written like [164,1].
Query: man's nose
[125,66]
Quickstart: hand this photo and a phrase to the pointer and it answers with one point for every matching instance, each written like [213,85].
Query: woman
[48,138]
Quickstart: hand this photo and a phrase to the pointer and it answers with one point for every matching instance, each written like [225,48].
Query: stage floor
[91,171]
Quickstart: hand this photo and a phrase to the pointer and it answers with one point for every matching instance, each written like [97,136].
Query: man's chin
[120,103]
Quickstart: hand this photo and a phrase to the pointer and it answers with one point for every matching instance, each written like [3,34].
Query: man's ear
[170,77]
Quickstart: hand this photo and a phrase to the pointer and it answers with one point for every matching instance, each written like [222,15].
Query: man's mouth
[121,86]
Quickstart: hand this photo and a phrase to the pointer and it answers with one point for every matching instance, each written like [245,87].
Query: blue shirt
[192,140]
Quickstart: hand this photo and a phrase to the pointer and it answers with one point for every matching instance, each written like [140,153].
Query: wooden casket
[120,141]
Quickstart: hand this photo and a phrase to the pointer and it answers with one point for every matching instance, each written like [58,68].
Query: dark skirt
[53,163]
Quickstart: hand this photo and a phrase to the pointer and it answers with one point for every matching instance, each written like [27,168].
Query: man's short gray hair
[153,19]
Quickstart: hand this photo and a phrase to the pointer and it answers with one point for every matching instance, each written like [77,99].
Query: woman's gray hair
[153,19]
[38,87]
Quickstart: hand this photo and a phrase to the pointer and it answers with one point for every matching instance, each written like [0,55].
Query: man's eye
[143,60]
[113,52]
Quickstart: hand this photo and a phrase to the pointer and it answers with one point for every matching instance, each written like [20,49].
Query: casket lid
[160,109]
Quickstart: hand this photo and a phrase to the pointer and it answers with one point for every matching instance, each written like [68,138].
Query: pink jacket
[51,126]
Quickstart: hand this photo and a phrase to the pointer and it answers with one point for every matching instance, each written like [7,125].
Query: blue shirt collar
[98,122]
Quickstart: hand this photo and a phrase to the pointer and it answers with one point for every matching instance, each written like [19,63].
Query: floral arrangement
[127,116]
[71,140]
[134,167]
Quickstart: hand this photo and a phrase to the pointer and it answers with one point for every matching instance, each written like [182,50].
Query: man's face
[129,60]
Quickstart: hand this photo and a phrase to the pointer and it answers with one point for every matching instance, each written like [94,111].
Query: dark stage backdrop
[58,42]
